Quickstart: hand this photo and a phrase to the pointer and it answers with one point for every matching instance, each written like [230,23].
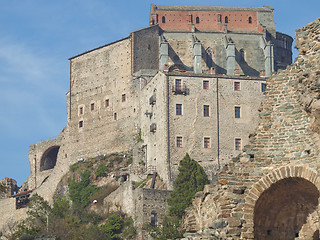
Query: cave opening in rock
[282,209]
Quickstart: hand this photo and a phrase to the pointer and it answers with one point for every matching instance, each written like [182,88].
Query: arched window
[226,20]
[197,20]
[163,19]
[250,20]
[153,218]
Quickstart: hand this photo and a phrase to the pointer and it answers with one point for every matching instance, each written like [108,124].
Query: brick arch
[282,173]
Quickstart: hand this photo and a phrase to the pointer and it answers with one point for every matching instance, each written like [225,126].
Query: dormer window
[250,20]
[163,19]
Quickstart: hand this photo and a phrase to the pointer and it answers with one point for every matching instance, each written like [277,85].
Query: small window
[219,18]
[106,103]
[178,109]
[236,86]
[163,19]
[263,87]
[92,106]
[153,218]
[81,110]
[197,20]
[123,97]
[206,142]
[179,142]
[80,124]
[237,144]
[206,110]
[226,20]
[178,85]
[250,20]
[206,84]
[237,112]
[115,116]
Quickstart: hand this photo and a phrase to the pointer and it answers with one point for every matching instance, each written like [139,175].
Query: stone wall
[145,48]
[214,52]
[282,159]
[103,101]
[220,126]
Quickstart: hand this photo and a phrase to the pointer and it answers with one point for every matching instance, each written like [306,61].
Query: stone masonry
[192,81]
[271,190]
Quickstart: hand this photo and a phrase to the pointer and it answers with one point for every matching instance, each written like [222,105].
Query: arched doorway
[282,209]
[49,158]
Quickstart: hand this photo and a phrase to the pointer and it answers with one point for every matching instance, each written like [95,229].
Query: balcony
[180,90]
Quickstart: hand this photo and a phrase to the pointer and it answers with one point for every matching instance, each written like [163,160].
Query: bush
[61,207]
[113,227]
[80,192]
[101,170]
[191,179]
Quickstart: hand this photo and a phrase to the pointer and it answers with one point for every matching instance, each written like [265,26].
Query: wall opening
[49,158]
[282,210]
[153,221]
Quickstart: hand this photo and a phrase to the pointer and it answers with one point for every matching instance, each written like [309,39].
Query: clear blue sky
[36,39]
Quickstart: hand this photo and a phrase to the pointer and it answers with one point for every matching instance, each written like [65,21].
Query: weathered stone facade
[188,83]
[271,190]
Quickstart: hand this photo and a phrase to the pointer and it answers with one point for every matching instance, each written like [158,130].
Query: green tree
[113,227]
[191,179]
[38,216]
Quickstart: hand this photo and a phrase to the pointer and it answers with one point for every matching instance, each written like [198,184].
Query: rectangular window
[115,116]
[205,84]
[206,142]
[179,142]
[237,144]
[81,110]
[237,86]
[178,109]
[123,97]
[106,103]
[237,112]
[178,85]
[92,106]
[263,87]
[206,110]
[80,124]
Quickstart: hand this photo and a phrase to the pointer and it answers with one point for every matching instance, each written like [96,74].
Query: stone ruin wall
[284,150]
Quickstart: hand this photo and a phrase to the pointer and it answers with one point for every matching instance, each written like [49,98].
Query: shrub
[113,227]
[101,170]
[61,207]
[80,192]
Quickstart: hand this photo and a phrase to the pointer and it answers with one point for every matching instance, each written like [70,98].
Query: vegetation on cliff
[75,214]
